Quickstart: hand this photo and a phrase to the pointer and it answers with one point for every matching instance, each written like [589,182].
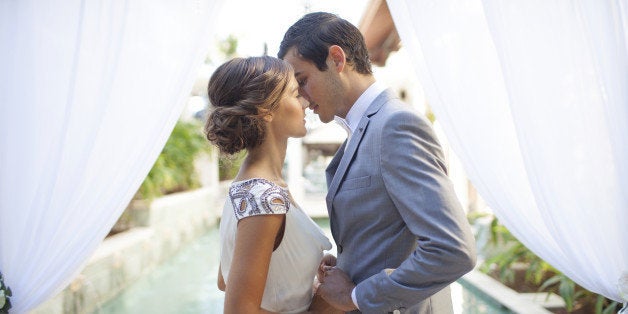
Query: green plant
[229,46]
[565,287]
[173,170]
[229,165]
[539,275]
[5,294]
[606,306]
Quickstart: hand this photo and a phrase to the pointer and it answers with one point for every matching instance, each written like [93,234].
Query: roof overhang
[379,32]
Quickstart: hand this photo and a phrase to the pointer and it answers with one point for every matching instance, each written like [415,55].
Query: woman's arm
[255,239]
[221,281]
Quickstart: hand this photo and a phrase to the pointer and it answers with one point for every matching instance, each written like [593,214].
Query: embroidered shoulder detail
[258,197]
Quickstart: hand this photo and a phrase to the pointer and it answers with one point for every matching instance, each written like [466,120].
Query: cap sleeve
[258,197]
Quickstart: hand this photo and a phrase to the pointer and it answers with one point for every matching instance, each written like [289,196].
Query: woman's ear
[268,117]
[266,114]
[338,57]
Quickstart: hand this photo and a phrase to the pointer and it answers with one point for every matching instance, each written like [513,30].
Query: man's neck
[359,86]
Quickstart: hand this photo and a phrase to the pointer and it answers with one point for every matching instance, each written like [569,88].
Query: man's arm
[416,180]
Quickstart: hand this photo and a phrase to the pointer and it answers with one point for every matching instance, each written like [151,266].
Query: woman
[270,248]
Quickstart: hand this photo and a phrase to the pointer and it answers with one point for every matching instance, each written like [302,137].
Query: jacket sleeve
[415,178]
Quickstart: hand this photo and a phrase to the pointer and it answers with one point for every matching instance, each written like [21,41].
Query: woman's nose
[304,94]
[304,102]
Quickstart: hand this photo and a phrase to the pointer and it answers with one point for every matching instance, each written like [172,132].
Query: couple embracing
[402,237]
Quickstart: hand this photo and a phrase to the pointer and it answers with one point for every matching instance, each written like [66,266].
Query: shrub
[539,275]
[229,165]
[173,170]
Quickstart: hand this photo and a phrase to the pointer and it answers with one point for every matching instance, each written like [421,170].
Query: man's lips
[313,107]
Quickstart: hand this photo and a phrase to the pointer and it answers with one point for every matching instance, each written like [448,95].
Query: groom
[401,234]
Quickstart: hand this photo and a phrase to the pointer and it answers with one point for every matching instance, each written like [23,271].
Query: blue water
[186,283]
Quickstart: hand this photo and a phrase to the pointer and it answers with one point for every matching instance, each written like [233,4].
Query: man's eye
[301,82]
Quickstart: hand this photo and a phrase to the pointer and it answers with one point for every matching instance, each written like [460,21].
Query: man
[401,234]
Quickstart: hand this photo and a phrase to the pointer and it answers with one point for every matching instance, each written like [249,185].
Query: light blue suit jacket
[392,206]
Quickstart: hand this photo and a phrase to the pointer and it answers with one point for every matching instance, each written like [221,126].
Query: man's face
[321,89]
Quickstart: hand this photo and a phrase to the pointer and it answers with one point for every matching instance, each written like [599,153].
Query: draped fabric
[89,93]
[533,98]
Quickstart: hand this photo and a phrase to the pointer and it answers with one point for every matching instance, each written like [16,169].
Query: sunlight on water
[186,283]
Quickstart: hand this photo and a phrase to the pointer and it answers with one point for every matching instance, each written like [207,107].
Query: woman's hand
[327,260]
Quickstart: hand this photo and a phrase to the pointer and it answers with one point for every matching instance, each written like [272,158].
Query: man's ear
[268,117]
[338,57]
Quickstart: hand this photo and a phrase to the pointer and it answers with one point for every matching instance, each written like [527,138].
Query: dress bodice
[294,263]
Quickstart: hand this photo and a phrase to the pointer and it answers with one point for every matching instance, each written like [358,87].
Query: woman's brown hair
[242,91]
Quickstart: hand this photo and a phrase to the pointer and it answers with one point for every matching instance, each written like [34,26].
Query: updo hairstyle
[241,92]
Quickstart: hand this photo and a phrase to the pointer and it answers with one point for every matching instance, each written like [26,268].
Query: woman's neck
[265,161]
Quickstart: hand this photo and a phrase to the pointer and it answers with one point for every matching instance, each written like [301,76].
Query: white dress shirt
[351,121]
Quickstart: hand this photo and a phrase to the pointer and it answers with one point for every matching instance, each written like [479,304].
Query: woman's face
[289,117]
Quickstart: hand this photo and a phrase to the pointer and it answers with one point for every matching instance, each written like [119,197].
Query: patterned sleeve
[258,197]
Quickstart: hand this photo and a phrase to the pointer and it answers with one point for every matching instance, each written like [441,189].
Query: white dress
[294,263]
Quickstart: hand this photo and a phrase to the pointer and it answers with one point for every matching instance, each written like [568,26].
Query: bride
[271,249]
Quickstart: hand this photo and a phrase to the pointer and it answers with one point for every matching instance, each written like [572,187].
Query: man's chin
[325,119]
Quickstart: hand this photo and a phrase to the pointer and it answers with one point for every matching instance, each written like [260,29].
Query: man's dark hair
[315,32]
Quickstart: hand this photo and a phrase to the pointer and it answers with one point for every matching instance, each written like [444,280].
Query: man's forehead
[293,52]
[300,64]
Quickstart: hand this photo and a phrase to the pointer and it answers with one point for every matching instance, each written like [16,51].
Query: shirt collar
[350,123]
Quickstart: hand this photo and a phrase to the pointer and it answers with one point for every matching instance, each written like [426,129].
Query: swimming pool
[186,283]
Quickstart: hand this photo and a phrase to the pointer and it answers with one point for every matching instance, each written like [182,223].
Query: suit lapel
[331,169]
[339,174]
[346,157]
[333,165]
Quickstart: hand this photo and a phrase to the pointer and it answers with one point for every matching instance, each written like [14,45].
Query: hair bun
[241,92]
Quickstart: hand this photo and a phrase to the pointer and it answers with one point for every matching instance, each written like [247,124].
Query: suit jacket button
[339,248]
[396,312]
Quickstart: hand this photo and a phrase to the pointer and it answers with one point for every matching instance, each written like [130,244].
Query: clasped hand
[335,286]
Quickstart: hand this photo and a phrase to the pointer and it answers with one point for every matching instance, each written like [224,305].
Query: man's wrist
[354,299]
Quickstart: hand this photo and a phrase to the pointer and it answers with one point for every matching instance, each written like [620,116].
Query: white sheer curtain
[89,93]
[533,98]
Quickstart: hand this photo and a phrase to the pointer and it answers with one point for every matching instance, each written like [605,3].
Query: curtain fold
[89,93]
[532,97]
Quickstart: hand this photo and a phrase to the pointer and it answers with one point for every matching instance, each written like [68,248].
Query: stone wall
[166,224]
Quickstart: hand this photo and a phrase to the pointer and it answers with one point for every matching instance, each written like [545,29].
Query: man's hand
[320,306]
[335,288]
